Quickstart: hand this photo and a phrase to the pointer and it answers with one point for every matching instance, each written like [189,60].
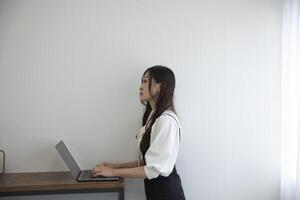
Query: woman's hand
[102,170]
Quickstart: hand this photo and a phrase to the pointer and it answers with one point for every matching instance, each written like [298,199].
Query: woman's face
[145,94]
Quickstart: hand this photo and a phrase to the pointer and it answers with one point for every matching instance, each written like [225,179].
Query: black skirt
[164,188]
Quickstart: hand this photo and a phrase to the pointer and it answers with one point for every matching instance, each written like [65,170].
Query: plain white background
[71,70]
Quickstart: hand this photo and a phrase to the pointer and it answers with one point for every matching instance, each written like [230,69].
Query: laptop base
[86,176]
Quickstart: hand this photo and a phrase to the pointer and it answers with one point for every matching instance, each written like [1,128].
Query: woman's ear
[158,87]
[155,89]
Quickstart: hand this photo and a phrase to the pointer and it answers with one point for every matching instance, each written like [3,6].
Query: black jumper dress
[163,188]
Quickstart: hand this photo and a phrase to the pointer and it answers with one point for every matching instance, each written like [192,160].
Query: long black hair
[166,78]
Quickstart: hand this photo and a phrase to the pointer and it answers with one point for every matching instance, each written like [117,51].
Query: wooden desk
[40,183]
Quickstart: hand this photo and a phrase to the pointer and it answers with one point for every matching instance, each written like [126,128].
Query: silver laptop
[79,175]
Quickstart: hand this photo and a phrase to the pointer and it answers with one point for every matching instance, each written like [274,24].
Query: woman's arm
[134,172]
[120,165]
[127,165]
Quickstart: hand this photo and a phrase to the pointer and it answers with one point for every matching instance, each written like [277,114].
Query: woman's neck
[152,104]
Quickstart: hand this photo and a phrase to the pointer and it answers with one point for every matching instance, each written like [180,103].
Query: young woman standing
[158,140]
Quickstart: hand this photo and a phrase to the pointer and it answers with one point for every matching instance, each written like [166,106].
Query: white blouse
[164,145]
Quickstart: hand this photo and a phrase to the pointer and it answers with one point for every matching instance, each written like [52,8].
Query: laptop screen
[68,158]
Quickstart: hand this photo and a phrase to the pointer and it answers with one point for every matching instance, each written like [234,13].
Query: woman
[158,140]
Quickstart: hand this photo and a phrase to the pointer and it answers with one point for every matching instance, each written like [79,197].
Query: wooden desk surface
[51,181]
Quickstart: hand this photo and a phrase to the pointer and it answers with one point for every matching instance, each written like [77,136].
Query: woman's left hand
[102,170]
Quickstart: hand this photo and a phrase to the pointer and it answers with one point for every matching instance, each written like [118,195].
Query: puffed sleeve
[164,144]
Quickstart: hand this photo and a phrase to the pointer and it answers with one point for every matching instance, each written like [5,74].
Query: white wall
[71,70]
